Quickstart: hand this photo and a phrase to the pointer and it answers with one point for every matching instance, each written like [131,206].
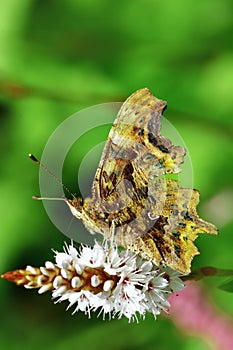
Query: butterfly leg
[111,235]
[112,232]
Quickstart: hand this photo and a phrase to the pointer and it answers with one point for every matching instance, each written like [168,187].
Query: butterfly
[132,200]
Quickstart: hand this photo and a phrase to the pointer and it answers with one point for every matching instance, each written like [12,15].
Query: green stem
[207,272]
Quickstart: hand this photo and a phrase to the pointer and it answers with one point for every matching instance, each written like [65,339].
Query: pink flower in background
[193,312]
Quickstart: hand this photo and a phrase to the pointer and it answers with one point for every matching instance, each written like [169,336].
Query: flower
[102,278]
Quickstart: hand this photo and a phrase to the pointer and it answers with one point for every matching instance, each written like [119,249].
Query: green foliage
[58,57]
[228,286]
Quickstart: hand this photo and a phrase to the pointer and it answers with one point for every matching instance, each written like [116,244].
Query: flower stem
[207,271]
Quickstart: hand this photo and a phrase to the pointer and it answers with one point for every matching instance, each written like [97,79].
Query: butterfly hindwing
[151,214]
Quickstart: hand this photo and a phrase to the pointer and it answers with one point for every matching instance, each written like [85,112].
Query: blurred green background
[57,57]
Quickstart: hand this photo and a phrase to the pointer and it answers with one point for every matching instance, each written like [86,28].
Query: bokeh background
[57,57]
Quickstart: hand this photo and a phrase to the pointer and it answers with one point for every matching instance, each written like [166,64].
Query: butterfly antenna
[35,160]
[49,198]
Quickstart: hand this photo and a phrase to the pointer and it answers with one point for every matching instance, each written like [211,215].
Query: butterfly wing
[156,219]
[135,139]
[171,228]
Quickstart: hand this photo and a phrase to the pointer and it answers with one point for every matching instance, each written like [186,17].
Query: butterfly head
[76,206]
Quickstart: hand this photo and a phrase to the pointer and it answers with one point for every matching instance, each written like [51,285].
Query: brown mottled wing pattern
[169,238]
[156,219]
[135,138]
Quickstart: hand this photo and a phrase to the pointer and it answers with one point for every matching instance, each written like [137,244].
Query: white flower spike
[102,278]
